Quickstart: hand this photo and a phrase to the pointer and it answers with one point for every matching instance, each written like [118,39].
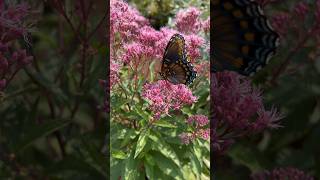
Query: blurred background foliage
[291,83]
[52,123]
[161,12]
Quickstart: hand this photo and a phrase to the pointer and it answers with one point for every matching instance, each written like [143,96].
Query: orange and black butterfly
[176,67]
[243,40]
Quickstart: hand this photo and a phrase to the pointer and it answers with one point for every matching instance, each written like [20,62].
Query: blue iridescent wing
[243,40]
[175,65]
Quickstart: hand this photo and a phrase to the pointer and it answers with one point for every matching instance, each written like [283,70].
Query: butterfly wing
[243,40]
[175,66]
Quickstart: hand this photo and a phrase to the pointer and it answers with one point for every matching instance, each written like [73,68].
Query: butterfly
[243,39]
[176,68]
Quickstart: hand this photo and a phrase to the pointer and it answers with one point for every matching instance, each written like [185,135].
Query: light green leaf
[131,168]
[164,148]
[168,167]
[142,141]
[118,154]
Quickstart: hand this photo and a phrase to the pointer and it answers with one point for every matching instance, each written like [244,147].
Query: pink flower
[238,107]
[133,51]
[199,131]
[206,25]
[301,9]
[188,20]
[185,138]
[194,43]
[11,21]
[204,133]
[3,83]
[199,120]
[12,28]
[164,96]
[114,73]
[124,20]
[280,22]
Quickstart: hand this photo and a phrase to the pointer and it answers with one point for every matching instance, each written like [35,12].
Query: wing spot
[237,14]
[249,36]
[245,50]
[228,6]
[244,24]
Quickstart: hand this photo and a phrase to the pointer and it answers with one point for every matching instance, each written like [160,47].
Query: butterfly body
[176,67]
[243,40]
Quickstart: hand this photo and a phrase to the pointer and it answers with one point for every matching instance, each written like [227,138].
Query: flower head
[188,20]
[124,20]
[164,96]
[198,122]
[238,107]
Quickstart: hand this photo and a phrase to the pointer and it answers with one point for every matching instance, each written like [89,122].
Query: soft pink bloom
[164,96]
[238,107]
[124,20]
[133,51]
[3,83]
[203,68]
[12,28]
[301,9]
[185,138]
[188,20]
[206,25]
[11,21]
[199,120]
[237,104]
[194,43]
[280,22]
[21,57]
[204,133]
[3,64]
[114,73]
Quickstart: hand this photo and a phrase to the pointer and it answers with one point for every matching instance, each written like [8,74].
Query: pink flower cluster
[283,21]
[135,43]
[124,20]
[236,103]
[114,72]
[188,21]
[11,29]
[238,107]
[198,122]
[282,173]
[164,96]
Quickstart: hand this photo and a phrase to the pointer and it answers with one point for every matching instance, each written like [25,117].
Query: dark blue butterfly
[176,67]
[242,38]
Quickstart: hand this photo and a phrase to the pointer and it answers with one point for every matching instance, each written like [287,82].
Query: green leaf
[246,156]
[77,167]
[95,155]
[164,148]
[37,132]
[163,123]
[142,141]
[149,166]
[118,154]
[168,167]
[131,168]
[196,166]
